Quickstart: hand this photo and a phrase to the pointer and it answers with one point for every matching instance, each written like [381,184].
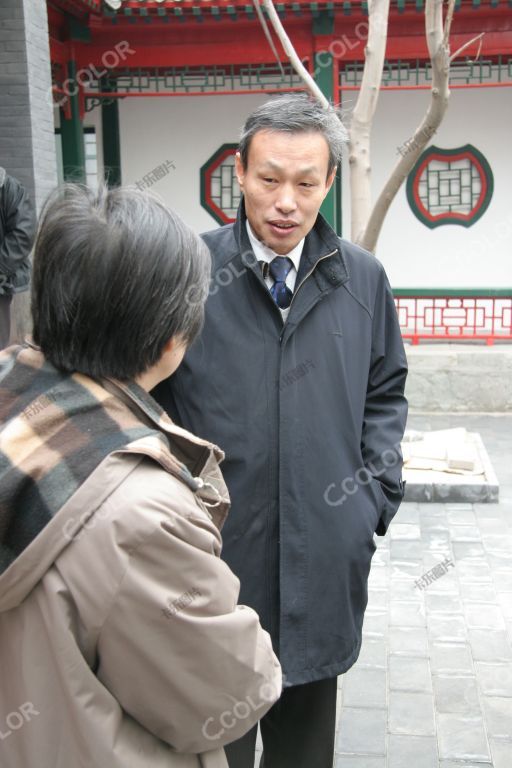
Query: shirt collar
[264,253]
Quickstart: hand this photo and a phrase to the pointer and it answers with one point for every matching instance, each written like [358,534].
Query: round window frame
[206,171]
[468,151]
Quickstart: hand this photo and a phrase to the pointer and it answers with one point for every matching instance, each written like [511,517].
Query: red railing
[455,315]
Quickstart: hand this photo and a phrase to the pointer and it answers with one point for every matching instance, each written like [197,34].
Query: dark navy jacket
[17,231]
[310,415]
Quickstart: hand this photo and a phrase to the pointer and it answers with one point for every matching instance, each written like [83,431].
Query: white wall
[188,130]
[479,256]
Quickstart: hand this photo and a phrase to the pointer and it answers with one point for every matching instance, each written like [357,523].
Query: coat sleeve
[385,412]
[19,227]
[177,652]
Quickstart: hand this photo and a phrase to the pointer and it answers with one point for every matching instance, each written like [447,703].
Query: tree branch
[362,117]
[266,30]
[466,45]
[411,150]
[291,53]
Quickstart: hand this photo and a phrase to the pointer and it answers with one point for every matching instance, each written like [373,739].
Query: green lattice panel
[450,187]
[417,72]
[225,191]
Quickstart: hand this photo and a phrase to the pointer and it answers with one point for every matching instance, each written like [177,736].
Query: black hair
[113,276]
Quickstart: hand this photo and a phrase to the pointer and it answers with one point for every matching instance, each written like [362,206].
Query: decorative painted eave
[235,9]
[79,8]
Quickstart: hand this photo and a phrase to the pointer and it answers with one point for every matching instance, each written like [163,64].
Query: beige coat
[121,642]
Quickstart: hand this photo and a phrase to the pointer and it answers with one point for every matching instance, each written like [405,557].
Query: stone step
[459,377]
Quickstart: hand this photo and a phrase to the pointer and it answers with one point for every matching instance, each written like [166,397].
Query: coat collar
[320,242]
[199,457]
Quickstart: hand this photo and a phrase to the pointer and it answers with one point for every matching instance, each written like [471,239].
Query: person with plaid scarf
[121,641]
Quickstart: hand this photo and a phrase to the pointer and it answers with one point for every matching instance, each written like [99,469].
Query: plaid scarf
[55,429]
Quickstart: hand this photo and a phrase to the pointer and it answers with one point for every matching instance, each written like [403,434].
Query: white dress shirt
[264,253]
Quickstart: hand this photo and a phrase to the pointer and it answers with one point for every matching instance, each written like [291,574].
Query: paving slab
[411,713]
[461,737]
[362,731]
[419,751]
[501,753]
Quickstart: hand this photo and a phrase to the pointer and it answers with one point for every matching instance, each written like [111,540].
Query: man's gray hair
[296,113]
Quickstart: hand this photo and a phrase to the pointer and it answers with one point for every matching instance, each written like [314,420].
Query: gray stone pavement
[433,685]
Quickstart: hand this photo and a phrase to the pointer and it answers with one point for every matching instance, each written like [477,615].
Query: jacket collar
[198,457]
[320,242]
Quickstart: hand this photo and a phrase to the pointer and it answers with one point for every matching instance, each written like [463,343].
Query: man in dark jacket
[299,375]
[17,230]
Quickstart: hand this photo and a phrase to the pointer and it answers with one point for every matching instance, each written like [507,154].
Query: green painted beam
[111,138]
[323,23]
[78,31]
[324,68]
[73,150]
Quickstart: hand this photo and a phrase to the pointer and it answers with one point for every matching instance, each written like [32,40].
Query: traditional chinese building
[154,93]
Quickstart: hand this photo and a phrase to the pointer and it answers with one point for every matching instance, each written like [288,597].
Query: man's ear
[239,170]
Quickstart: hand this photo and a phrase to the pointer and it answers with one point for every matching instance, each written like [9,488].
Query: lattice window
[450,186]
[224,189]
[220,192]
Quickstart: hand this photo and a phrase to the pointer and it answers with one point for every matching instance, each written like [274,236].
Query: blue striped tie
[279,268]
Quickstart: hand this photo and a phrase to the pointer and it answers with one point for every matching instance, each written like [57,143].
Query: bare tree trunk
[439,50]
[367,221]
[362,118]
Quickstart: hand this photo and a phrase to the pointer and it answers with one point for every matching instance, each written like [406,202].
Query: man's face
[284,185]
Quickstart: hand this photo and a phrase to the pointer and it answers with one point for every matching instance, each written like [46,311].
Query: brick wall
[27,144]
